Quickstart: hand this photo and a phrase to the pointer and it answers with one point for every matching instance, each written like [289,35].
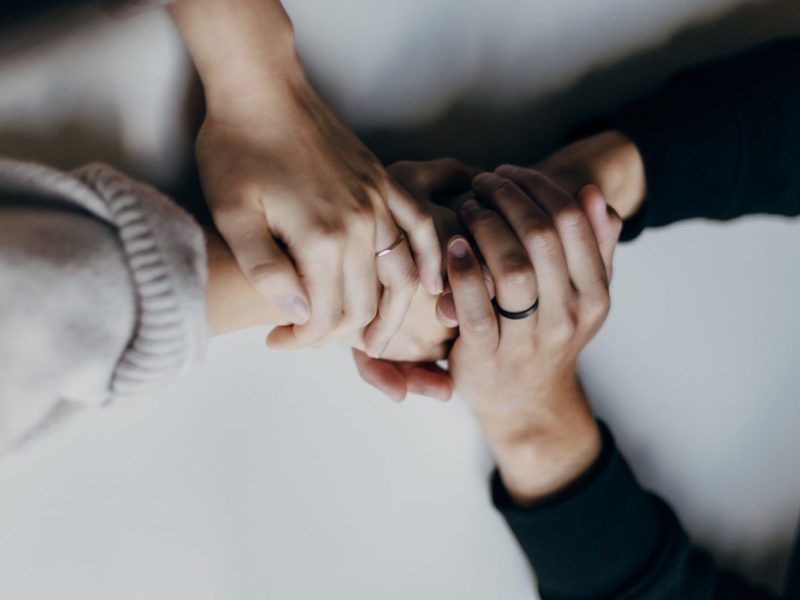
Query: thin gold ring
[400,239]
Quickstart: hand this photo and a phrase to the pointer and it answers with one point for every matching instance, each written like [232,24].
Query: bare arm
[233,304]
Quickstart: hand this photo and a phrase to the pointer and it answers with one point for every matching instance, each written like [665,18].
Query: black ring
[515,316]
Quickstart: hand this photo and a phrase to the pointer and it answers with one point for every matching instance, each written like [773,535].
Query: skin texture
[422,338]
[519,376]
[294,193]
[609,161]
[234,305]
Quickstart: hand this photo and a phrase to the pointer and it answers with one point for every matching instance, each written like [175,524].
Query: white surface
[281,475]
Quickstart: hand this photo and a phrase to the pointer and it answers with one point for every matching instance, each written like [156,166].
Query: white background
[282,476]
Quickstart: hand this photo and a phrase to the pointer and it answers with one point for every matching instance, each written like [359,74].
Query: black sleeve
[16,13]
[605,537]
[720,140]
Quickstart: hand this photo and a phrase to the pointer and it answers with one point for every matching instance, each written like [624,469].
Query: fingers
[605,222]
[323,276]
[361,289]
[506,257]
[511,269]
[266,266]
[427,379]
[446,306]
[397,379]
[398,275]
[534,228]
[584,262]
[475,313]
[421,232]
[382,375]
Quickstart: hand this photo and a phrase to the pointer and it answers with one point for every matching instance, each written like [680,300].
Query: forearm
[547,447]
[241,48]
[718,141]
[233,303]
[605,537]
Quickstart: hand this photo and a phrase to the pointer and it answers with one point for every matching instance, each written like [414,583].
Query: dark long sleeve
[720,140]
[605,537]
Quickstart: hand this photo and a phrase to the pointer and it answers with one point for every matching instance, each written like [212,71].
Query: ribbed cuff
[593,536]
[165,251]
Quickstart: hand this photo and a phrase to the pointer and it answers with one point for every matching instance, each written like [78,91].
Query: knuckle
[596,310]
[570,218]
[449,163]
[361,219]
[563,330]
[478,324]
[545,243]
[232,215]
[424,221]
[329,233]
[532,177]
[538,235]
[517,273]
[486,219]
[326,323]
[363,314]
[367,314]
[502,187]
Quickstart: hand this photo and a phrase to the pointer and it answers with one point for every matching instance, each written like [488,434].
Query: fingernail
[433,283]
[393,397]
[459,248]
[470,208]
[437,393]
[447,309]
[294,307]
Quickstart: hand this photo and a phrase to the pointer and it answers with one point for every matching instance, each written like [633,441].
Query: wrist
[609,160]
[541,453]
[232,302]
[244,51]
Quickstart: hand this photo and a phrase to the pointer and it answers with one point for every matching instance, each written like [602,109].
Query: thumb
[605,222]
[266,265]
[381,374]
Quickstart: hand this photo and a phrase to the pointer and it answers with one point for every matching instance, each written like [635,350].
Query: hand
[609,160]
[303,205]
[519,376]
[422,338]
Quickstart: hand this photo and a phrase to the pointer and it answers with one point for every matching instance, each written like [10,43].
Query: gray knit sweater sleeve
[102,292]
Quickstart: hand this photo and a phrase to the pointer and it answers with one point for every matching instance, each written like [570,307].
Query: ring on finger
[401,237]
[515,316]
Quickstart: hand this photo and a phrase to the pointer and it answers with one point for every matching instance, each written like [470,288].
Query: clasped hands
[515,236]
[304,207]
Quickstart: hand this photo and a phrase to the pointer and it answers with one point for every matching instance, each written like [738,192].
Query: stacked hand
[519,375]
[542,248]
[305,207]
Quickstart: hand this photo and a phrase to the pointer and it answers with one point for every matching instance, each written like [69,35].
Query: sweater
[102,295]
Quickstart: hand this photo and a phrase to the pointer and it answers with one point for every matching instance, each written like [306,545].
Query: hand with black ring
[518,375]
